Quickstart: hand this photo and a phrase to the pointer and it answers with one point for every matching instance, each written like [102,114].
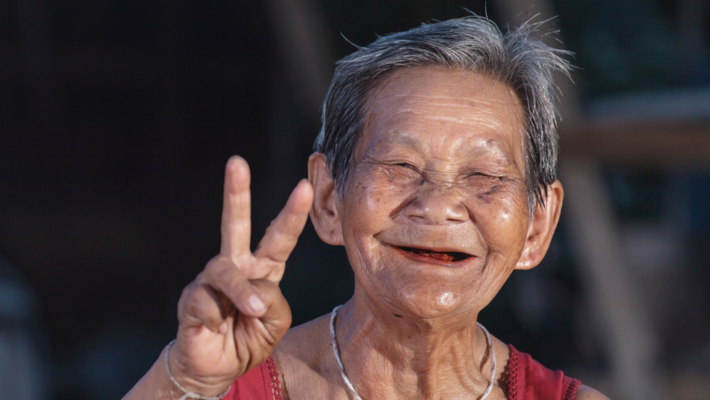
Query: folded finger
[226,278]
[236,208]
[202,306]
[283,233]
[277,318]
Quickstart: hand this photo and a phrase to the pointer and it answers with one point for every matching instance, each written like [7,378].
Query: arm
[155,383]
[233,314]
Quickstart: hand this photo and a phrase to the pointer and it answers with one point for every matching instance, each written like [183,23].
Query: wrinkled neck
[388,355]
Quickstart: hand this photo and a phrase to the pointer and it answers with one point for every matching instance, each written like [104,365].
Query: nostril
[437,205]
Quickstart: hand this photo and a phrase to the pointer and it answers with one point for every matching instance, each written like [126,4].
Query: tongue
[434,254]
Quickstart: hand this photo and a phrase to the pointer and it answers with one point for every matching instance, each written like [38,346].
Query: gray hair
[472,43]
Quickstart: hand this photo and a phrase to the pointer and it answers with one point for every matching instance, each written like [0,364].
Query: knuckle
[269,289]
[215,269]
[272,229]
[200,304]
[241,288]
[187,293]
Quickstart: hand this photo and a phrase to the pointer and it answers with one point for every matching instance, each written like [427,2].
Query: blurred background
[117,117]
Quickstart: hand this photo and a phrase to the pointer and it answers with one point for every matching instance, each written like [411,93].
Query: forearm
[155,384]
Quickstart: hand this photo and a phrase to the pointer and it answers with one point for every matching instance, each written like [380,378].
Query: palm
[223,333]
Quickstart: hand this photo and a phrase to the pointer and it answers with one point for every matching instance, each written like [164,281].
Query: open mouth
[448,256]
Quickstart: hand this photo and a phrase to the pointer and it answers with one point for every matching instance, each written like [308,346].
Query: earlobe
[324,213]
[542,227]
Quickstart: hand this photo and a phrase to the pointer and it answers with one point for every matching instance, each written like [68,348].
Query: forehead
[443,106]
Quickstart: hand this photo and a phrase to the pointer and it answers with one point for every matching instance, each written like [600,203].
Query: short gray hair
[517,58]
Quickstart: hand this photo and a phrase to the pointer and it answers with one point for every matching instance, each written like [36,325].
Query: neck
[394,355]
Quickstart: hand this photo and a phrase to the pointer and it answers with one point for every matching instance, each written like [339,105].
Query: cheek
[502,218]
[370,204]
[373,199]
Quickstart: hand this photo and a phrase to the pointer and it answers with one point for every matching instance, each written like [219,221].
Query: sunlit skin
[440,168]
[434,217]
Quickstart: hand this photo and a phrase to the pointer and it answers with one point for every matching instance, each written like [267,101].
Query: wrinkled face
[434,213]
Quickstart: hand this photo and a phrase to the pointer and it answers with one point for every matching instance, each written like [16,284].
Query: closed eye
[500,178]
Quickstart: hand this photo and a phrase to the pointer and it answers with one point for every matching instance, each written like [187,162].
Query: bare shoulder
[587,393]
[502,354]
[305,342]
[303,357]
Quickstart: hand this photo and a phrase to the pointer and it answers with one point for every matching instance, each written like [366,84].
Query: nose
[437,204]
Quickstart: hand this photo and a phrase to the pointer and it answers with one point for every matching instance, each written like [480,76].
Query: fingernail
[256,303]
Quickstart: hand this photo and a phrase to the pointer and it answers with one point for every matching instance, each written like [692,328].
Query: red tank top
[523,379]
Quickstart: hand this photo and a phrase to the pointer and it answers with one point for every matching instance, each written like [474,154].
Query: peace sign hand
[233,314]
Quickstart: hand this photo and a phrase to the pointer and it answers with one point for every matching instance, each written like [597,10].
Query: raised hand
[233,314]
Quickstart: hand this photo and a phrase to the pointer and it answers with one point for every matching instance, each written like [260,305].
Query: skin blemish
[423,132]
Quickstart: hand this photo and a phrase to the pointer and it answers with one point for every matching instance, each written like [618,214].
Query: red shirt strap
[260,383]
[526,379]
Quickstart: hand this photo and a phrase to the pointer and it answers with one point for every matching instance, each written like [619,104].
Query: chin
[429,299]
[421,290]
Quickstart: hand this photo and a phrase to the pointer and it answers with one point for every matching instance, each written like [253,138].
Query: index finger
[281,236]
[236,209]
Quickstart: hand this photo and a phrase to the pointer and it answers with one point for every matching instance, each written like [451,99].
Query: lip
[420,258]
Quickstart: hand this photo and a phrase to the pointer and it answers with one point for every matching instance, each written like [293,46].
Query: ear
[542,227]
[325,213]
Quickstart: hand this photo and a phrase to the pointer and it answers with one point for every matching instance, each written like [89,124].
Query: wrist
[185,383]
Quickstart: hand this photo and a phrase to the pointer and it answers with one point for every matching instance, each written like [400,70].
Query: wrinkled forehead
[449,96]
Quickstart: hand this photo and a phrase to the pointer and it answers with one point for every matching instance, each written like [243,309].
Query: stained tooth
[436,255]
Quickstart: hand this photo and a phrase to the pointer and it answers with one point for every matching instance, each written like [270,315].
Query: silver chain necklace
[350,386]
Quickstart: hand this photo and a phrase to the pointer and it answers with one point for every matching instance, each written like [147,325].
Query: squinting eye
[405,165]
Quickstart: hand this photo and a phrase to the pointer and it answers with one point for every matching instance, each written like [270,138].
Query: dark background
[117,117]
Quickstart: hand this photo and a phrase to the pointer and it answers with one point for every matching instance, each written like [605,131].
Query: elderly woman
[435,168]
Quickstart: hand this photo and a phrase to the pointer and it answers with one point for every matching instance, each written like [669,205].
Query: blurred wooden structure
[657,133]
